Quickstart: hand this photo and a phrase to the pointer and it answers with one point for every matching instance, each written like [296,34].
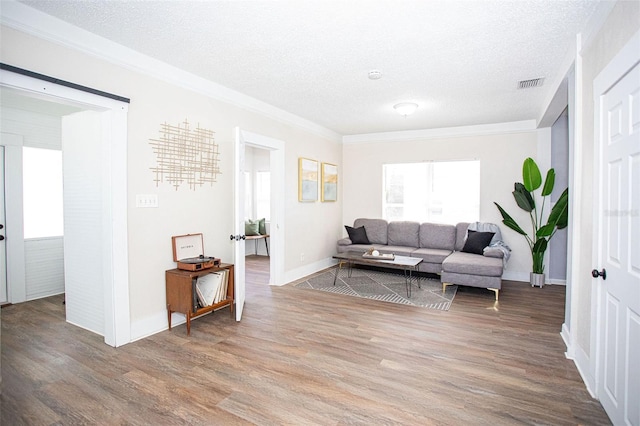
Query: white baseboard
[154,324]
[524,277]
[580,359]
[566,337]
[583,364]
[516,276]
[157,323]
[311,268]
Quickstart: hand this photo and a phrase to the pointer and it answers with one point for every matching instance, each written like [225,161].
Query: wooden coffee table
[407,264]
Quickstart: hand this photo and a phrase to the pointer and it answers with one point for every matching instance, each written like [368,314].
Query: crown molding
[31,21]
[445,132]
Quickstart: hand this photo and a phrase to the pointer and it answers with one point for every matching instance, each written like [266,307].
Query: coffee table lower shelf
[408,264]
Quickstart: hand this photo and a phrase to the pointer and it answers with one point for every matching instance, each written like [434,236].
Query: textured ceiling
[461,61]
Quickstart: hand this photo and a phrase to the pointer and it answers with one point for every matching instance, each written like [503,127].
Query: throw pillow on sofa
[357,235]
[262,226]
[477,241]
[251,227]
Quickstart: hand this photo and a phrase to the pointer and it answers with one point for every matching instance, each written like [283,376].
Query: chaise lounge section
[459,255]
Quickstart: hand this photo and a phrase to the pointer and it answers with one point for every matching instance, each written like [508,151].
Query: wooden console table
[182,297]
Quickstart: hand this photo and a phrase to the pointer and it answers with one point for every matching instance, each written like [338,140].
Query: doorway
[112,135]
[257,180]
[276,240]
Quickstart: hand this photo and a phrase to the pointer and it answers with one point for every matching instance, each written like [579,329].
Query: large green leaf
[540,246]
[531,176]
[537,253]
[561,210]
[508,220]
[549,182]
[523,198]
[546,230]
[559,215]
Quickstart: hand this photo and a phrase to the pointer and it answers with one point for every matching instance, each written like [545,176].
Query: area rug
[383,286]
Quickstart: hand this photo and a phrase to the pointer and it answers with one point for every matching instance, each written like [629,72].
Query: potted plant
[541,233]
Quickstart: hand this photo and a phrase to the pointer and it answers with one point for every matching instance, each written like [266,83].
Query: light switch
[146,200]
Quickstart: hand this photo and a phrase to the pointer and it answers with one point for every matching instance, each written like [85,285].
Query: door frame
[117,319]
[619,66]
[16,288]
[276,150]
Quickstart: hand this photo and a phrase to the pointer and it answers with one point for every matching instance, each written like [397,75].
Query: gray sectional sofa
[445,249]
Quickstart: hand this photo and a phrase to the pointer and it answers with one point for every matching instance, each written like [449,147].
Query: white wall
[501,156]
[557,267]
[208,209]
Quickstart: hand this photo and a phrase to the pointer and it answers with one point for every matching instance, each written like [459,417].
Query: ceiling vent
[528,84]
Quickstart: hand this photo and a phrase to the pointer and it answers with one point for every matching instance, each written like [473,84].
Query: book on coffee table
[381,256]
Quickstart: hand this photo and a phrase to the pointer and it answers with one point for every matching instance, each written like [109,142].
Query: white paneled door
[618,248]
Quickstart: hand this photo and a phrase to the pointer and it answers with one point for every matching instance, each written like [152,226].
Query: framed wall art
[307,179]
[329,182]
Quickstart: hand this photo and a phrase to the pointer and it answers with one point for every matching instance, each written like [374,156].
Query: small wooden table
[182,297]
[407,264]
[259,237]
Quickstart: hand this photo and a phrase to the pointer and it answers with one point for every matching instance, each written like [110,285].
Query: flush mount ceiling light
[405,108]
[375,75]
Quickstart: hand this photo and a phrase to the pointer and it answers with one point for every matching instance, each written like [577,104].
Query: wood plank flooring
[303,357]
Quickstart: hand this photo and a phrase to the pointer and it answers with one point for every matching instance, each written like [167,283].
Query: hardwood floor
[304,357]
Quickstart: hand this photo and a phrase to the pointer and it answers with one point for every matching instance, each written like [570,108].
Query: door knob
[595,273]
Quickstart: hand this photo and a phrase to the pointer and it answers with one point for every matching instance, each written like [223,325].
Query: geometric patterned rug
[384,286]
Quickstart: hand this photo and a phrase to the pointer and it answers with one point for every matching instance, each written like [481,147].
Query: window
[437,192]
[42,192]
[263,195]
[248,196]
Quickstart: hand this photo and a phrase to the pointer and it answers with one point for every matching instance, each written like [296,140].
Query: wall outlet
[301,257]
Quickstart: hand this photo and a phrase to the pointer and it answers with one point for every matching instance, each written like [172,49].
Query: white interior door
[618,252]
[238,224]
[3,250]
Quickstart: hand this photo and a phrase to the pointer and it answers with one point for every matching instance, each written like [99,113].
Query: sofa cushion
[376,229]
[477,241]
[473,264]
[430,255]
[403,233]
[437,236]
[357,235]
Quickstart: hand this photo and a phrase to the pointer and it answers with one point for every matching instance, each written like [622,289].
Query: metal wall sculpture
[185,156]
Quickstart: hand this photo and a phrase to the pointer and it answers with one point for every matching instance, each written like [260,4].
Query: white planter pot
[536,280]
